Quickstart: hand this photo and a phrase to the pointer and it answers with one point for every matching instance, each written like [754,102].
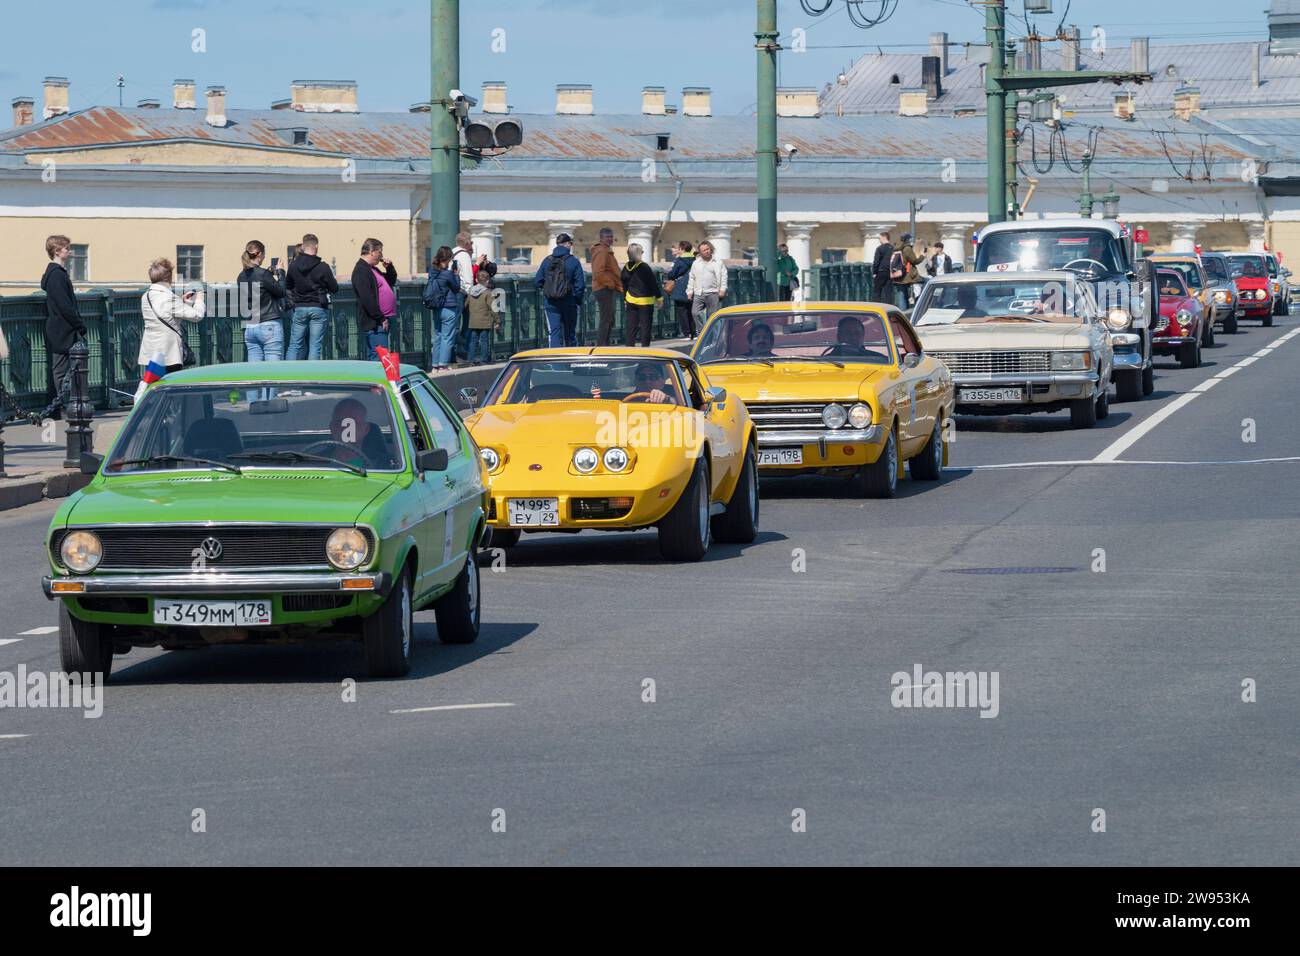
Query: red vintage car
[1181,325]
[1250,277]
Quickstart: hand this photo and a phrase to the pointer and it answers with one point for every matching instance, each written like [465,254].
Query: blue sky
[618,46]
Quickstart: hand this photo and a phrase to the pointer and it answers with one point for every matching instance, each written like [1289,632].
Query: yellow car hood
[568,424]
[796,381]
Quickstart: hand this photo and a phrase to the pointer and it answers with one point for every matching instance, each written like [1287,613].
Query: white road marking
[1119,461]
[427,710]
[9,640]
[13,736]
[40,630]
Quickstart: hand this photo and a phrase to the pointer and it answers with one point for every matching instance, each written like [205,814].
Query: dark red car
[1250,277]
[1181,325]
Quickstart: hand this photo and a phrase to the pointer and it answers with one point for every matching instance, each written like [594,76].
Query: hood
[304,262]
[45,276]
[477,290]
[268,494]
[1003,335]
[795,381]
[1250,282]
[565,424]
[561,251]
[1170,304]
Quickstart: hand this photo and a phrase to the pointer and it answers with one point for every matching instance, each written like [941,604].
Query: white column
[643,234]
[1255,235]
[556,226]
[719,234]
[798,237]
[954,235]
[871,238]
[1183,236]
[486,236]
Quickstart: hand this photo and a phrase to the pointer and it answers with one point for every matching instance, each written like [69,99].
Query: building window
[832,256]
[79,263]
[519,255]
[189,263]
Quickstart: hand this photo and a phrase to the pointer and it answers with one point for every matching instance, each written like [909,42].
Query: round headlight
[1261,294]
[347,548]
[490,458]
[585,460]
[81,551]
[860,415]
[834,415]
[1183,316]
[1118,318]
[616,459]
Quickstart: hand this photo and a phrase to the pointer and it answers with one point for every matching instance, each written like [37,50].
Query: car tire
[504,539]
[685,531]
[1189,354]
[880,478]
[1083,413]
[1103,400]
[739,523]
[389,633]
[84,646]
[928,465]
[1230,324]
[459,611]
[1281,307]
[1268,320]
[1207,338]
[1148,380]
[1128,386]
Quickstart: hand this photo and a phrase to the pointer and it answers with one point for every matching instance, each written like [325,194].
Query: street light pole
[444,129]
[766,47]
[995,104]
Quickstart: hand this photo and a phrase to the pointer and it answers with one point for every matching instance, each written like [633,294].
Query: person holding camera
[310,283]
[164,313]
[263,300]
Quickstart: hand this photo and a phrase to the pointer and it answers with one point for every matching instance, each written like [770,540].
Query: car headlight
[1118,318]
[490,458]
[616,459]
[860,415]
[1183,317]
[1261,294]
[585,460]
[81,551]
[1221,296]
[1071,361]
[834,415]
[347,548]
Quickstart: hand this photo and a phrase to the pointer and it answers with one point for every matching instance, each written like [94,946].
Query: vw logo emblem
[211,548]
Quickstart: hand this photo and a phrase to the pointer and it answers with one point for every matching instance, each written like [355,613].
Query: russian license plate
[1016,394]
[780,456]
[212,613]
[533,512]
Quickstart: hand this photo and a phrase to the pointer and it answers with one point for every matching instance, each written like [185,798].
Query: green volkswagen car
[273,502]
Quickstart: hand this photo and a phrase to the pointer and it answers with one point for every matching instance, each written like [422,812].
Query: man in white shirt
[462,263]
[938,264]
[706,286]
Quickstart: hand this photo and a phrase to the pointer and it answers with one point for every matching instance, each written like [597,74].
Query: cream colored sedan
[1019,342]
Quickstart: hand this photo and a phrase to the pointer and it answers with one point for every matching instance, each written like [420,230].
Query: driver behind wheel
[760,341]
[351,429]
[850,335]
[650,379]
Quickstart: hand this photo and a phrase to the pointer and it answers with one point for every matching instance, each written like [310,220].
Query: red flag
[392,363]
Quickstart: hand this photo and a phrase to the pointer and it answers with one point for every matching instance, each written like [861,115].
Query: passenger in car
[760,341]
[850,335]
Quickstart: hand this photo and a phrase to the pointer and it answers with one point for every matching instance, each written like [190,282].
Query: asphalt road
[1119,690]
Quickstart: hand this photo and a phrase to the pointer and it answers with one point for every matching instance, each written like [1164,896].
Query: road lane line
[1208,384]
[13,736]
[1119,461]
[9,640]
[428,710]
[40,630]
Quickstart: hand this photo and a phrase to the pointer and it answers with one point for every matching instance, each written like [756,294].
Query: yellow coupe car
[835,388]
[617,439]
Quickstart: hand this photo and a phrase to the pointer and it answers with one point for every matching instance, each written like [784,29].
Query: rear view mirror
[433,460]
[911,360]
[90,463]
[717,395]
[469,394]
[269,406]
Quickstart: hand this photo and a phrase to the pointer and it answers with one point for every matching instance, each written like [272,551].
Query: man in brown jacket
[606,283]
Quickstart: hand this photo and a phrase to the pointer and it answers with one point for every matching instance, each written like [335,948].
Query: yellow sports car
[617,439]
[836,388]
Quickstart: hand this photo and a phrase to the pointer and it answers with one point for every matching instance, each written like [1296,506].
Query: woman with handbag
[164,313]
[263,300]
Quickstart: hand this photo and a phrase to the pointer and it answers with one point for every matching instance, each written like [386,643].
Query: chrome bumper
[1037,378]
[1127,360]
[108,585]
[813,436]
[1173,339]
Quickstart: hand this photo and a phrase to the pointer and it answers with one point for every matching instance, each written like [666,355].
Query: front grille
[597,508]
[786,416]
[175,548]
[1012,362]
[299,603]
[1162,323]
[115,605]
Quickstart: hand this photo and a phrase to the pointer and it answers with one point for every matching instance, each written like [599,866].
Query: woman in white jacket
[165,313]
[706,285]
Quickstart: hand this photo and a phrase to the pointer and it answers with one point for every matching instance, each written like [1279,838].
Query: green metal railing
[114,326]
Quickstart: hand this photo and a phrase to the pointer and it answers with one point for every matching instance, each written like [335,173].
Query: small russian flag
[392,363]
[156,369]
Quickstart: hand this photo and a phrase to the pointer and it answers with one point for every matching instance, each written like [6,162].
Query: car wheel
[1268,320]
[684,533]
[880,478]
[504,539]
[1189,354]
[1103,400]
[84,646]
[1128,386]
[928,465]
[459,610]
[1207,340]
[1083,413]
[387,633]
[1281,307]
[739,523]
[1230,324]
[1148,380]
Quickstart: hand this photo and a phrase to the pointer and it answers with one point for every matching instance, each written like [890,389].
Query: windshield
[1272,266]
[1191,275]
[1170,283]
[569,379]
[1038,249]
[780,336]
[231,427]
[1000,300]
[1250,266]
[1215,269]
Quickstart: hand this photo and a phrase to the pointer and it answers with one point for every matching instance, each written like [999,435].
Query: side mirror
[434,460]
[911,360]
[469,394]
[717,395]
[90,463]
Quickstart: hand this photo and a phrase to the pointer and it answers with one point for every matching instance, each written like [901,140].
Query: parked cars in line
[1197,281]
[1223,291]
[1019,342]
[617,439]
[271,502]
[1180,329]
[834,388]
[1279,284]
[1250,277]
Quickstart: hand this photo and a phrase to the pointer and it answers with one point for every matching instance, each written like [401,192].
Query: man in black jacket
[880,291]
[310,283]
[376,306]
[63,325]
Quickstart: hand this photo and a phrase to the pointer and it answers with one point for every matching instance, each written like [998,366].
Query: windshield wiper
[737,358]
[298,456]
[811,358]
[174,459]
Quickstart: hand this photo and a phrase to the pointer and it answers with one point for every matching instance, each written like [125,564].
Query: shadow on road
[594,548]
[1046,423]
[833,488]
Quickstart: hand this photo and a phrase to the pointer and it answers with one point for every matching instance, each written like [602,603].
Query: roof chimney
[494,97]
[931,77]
[1141,47]
[147,105]
[183,94]
[1070,49]
[652,100]
[697,101]
[24,110]
[1124,107]
[216,106]
[797,101]
[1187,102]
[1254,67]
[323,96]
[573,99]
[939,48]
[912,101]
[56,96]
